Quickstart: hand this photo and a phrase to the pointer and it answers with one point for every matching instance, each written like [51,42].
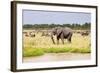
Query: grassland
[39,45]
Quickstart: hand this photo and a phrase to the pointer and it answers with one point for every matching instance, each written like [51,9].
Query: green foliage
[76,50]
[32,52]
[52,25]
[57,50]
[28,52]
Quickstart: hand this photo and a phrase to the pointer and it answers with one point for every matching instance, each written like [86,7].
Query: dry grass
[79,43]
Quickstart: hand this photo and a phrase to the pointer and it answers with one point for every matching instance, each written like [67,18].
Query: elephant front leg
[62,38]
[57,40]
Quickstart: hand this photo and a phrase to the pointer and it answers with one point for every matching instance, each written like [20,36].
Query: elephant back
[67,30]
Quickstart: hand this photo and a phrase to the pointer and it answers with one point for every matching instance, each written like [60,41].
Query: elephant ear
[59,31]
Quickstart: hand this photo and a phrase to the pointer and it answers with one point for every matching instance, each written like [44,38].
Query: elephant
[61,33]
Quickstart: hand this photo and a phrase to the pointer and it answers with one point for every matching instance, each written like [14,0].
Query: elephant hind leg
[69,38]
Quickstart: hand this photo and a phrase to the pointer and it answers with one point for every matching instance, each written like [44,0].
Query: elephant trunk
[52,39]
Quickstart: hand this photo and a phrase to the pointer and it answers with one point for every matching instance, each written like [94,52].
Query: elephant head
[56,31]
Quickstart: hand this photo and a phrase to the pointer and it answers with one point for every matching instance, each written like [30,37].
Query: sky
[56,17]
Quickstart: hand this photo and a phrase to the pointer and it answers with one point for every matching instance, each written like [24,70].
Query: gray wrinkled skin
[61,33]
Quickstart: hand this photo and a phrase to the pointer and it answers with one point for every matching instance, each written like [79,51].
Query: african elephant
[61,33]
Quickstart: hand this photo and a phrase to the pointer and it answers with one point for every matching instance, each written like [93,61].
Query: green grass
[57,50]
[28,52]
[32,52]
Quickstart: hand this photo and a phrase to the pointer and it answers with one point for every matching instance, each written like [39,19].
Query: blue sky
[49,17]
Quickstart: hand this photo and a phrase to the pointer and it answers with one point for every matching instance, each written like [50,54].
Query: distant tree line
[85,26]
